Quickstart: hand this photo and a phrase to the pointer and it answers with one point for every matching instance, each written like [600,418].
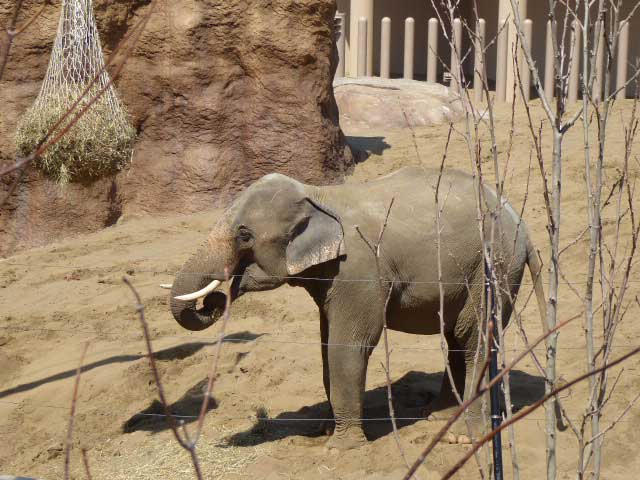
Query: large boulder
[221,93]
[380,104]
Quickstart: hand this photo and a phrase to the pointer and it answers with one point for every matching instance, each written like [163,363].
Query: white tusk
[168,286]
[200,293]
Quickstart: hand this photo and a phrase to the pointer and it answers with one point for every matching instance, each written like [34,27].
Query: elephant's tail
[536,275]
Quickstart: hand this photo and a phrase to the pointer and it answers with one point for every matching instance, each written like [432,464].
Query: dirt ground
[54,300]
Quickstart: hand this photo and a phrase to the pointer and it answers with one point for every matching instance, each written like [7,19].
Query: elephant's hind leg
[466,333]
[446,402]
[465,362]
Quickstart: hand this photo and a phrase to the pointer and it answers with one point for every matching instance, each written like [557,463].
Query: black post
[496,416]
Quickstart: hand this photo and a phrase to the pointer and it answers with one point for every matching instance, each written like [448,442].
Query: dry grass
[217,458]
[100,143]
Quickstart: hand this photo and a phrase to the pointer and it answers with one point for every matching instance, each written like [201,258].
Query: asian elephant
[282,231]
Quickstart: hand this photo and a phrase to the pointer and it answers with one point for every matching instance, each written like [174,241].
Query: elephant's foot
[459,432]
[327,427]
[342,441]
[455,439]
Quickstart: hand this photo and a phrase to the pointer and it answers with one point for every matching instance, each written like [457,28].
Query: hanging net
[101,141]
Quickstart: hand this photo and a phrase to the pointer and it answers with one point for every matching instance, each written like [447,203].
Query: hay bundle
[101,141]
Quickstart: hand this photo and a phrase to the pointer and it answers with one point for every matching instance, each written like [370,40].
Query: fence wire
[278,277]
[214,340]
[252,418]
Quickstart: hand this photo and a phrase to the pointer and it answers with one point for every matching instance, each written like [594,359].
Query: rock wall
[220,93]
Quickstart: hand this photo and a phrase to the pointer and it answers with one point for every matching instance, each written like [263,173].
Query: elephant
[279,230]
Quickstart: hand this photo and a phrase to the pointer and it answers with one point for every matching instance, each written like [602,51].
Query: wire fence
[254,418]
[256,340]
[221,275]
[213,340]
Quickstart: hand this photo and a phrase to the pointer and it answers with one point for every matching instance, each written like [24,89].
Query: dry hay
[96,145]
[218,459]
[101,141]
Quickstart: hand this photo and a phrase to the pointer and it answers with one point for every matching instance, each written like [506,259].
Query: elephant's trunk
[207,264]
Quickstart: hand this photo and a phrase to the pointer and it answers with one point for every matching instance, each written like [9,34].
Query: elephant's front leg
[347,370]
[327,426]
[350,345]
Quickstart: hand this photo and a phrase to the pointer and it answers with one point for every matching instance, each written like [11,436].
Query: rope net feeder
[101,141]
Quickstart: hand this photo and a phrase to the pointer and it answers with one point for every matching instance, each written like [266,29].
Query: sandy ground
[54,300]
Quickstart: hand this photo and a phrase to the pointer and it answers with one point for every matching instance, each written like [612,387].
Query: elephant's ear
[317,237]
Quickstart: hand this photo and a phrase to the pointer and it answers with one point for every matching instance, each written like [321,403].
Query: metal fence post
[478,65]
[501,61]
[496,415]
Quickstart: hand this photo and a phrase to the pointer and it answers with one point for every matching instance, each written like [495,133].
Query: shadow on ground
[365,146]
[177,352]
[411,394]
[186,410]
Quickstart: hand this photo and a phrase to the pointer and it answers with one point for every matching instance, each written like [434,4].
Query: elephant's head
[276,229]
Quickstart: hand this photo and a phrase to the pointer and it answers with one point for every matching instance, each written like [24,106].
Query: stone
[220,93]
[388,104]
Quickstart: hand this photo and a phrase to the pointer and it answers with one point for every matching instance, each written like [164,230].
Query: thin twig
[213,368]
[85,463]
[12,31]
[184,443]
[529,409]
[442,432]
[375,250]
[72,413]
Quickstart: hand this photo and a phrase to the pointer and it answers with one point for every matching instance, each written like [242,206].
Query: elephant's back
[412,190]
[419,184]
[411,226]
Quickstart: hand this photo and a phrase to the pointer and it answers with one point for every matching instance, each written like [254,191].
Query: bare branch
[213,368]
[57,131]
[12,31]
[85,463]
[527,410]
[441,433]
[184,443]
[375,250]
[72,414]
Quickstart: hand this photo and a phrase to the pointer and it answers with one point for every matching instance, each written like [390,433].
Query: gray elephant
[282,231]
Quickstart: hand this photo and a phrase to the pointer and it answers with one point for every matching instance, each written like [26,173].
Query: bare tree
[596,102]
[610,257]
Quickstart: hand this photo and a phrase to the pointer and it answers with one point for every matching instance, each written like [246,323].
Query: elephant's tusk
[168,286]
[200,293]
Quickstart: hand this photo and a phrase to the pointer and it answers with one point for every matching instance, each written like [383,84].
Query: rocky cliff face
[220,93]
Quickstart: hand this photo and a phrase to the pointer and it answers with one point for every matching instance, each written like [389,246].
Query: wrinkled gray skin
[279,228]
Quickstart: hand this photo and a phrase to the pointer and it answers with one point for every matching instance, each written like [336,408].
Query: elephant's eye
[244,235]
